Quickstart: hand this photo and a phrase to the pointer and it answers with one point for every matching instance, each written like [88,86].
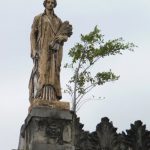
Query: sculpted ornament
[47,39]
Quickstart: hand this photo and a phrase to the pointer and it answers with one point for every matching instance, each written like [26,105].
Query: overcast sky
[126,100]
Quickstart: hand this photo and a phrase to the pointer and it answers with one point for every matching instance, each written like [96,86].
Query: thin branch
[69,90]
[87,100]
[83,102]
[76,78]
[91,64]
[84,95]
[85,90]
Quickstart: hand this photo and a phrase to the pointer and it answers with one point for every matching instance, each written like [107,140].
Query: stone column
[47,129]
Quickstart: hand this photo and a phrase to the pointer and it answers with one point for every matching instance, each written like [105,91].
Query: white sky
[126,100]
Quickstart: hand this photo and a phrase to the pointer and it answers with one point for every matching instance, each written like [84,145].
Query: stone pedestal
[47,129]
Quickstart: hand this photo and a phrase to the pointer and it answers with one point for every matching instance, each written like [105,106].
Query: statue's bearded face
[50,4]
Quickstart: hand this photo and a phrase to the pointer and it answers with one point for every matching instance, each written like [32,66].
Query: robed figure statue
[47,38]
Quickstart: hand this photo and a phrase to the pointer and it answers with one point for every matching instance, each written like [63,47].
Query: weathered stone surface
[67,134]
[47,128]
[106,134]
[106,137]
[52,113]
[21,139]
[138,137]
[54,129]
[48,35]
[51,147]
[51,104]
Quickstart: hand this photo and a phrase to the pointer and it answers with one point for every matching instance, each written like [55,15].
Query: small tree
[84,55]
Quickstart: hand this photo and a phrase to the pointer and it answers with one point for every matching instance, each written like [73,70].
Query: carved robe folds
[46,52]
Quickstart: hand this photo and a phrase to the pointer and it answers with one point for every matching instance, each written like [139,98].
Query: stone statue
[47,38]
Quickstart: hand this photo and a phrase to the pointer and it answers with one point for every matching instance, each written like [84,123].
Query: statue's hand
[61,38]
[34,54]
[35,57]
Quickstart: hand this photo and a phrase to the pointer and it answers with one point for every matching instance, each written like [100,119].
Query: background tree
[84,56]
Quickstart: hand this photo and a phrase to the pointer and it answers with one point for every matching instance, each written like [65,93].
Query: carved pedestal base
[47,129]
[53,105]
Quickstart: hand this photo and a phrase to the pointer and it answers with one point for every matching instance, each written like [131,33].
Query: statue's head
[45,1]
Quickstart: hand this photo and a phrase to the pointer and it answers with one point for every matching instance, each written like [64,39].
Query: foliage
[84,55]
